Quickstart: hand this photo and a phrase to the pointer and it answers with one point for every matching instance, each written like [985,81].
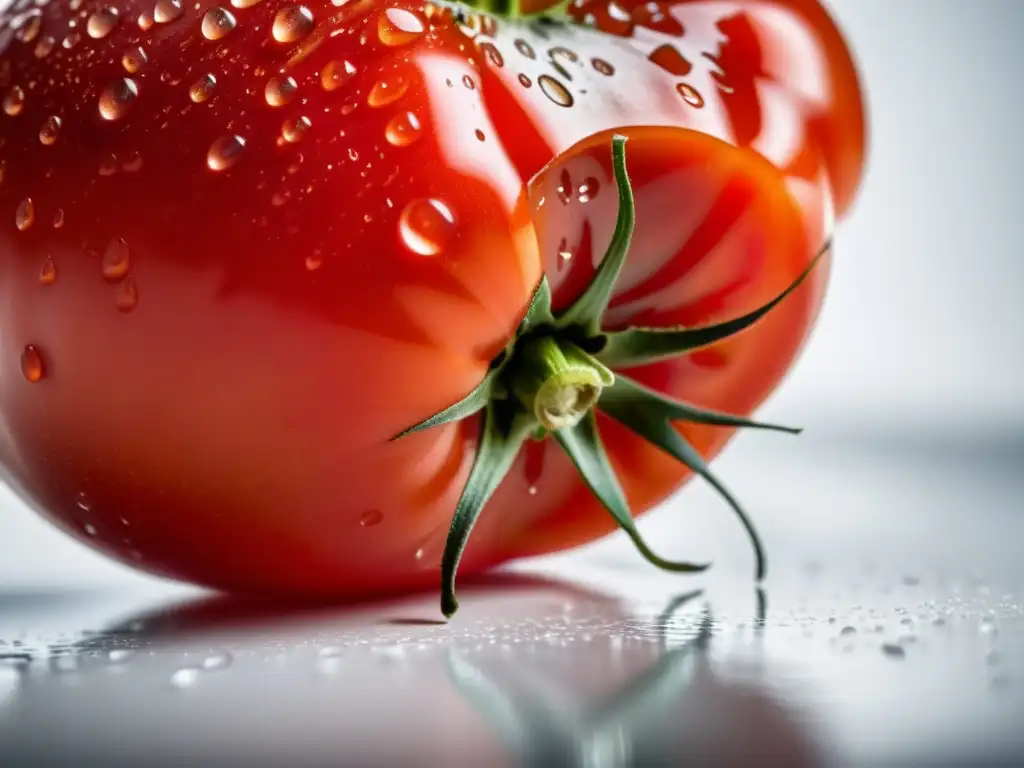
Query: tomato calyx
[557,370]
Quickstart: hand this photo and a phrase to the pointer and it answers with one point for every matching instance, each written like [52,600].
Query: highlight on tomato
[296,296]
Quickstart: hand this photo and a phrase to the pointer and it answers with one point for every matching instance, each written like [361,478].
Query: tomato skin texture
[336,283]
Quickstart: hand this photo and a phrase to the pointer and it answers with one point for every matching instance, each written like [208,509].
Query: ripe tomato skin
[225,353]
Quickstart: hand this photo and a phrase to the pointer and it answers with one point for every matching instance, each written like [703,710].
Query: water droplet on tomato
[145,20]
[532,490]
[469,82]
[603,67]
[396,26]
[479,135]
[245,3]
[335,74]
[30,24]
[25,214]
[371,518]
[102,22]
[188,677]
[217,22]
[388,90]
[134,59]
[89,530]
[166,11]
[426,226]
[127,296]
[48,272]
[555,91]
[525,49]
[588,189]
[224,152]
[295,128]
[564,188]
[117,97]
[419,553]
[202,88]
[690,95]
[492,55]
[32,364]
[58,218]
[50,131]
[292,23]
[524,80]
[14,101]
[70,41]
[280,90]
[314,261]
[403,129]
[116,260]
[44,47]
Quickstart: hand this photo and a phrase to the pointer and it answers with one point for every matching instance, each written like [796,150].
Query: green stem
[557,381]
[513,9]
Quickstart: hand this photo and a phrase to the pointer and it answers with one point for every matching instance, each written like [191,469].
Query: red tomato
[248,244]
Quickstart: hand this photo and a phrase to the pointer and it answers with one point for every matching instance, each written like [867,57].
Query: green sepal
[586,312]
[502,432]
[638,346]
[635,395]
[538,312]
[583,445]
[657,429]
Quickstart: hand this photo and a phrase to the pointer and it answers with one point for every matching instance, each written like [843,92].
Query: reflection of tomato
[244,248]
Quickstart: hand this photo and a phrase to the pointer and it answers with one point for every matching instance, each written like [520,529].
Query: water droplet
[893,651]
[28,25]
[44,47]
[48,272]
[525,49]
[479,135]
[988,627]
[70,41]
[555,91]
[403,129]
[120,655]
[469,82]
[217,661]
[117,260]
[426,226]
[14,101]
[202,88]
[388,90]
[50,131]
[145,21]
[32,363]
[419,553]
[127,296]
[25,215]
[690,95]
[295,128]
[185,678]
[166,11]
[134,59]
[564,188]
[292,23]
[117,97]
[314,261]
[217,23]
[224,152]
[58,218]
[335,74]
[532,490]
[102,22]
[588,189]
[603,67]
[492,55]
[371,518]
[396,26]
[280,90]
[848,631]
[245,3]
[524,80]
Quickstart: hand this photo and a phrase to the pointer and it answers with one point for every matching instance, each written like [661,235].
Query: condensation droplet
[44,47]
[224,152]
[82,501]
[134,59]
[426,226]
[295,128]
[524,80]
[145,20]
[603,67]
[371,518]
[690,95]
[127,295]
[70,41]
[525,49]
[492,55]
[166,11]
[292,23]
[564,188]
[388,90]
[335,74]
[58,218]
[314,261]
[396,26]
[555,91]
[48,272]
[117,97]
[32,364]
[588,189]
[280,90]
[50,131]
[202,88]
[245,3]
[469,82]
[479,135]
[403,129]
[217,22]
[185,678]
[28,25]
[117,260]
[893,651]
[14,101]
[25,214]
[102,22]
[217,661]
